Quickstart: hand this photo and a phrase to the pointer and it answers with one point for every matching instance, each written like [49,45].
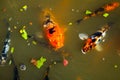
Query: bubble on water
[28,44]
[103,59]
[103,40]
[73,9]
[115,66]
[51,9]
[15,27]
[77,10]
[70,23]
[10,18]
[65,62]
[54,62]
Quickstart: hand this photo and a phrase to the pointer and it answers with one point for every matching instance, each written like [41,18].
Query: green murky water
[80,67]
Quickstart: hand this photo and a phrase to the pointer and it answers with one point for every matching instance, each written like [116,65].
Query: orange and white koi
[95,39]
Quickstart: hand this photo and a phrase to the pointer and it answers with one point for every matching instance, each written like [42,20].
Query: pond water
[103,65]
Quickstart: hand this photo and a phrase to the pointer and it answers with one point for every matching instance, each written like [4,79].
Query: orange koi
[53,33]
[106,8]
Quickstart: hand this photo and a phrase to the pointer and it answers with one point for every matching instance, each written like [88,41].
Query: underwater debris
[24,8]
[87,12]
[30,23]
[24,33]
[15,27]
[4,9]
[12,49]
[70,23]
[105,15]
[34,42]
[10,62]
[21,10]
[23,67]
[65,62]
[38,63]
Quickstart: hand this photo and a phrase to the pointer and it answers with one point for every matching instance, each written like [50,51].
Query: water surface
[81,67]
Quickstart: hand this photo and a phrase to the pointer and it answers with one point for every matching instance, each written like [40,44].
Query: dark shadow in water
[46,74]
[16,73]
[46,77]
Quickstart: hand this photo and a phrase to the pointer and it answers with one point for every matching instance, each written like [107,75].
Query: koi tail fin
[110,24]
[107,26]
[7,24]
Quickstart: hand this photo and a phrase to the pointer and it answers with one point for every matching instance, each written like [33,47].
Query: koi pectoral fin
[99,47]
[83,36]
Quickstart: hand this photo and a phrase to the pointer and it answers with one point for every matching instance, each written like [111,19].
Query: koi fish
[53,33]
[106,8]
[6,47]
[95,39]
